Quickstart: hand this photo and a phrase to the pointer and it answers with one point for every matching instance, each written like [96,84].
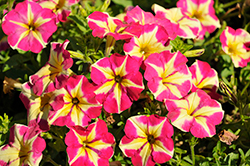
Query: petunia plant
[124,83]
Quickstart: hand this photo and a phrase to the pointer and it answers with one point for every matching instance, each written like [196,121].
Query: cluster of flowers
[56,96]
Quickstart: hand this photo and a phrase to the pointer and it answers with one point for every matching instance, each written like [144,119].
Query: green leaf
[124,3]
[4,128]
[80,22]
[78,55]
[179,45]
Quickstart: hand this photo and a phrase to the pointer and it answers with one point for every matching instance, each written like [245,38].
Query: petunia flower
[148,140]
[203,11]
[168,75]
[29,26]
[236,44]
[39,107]
[119,82]
[60,7]
[185,27]
[114,29]
[90,146]
[196,112]
[80,105]
[24,148]
[153,39]
[137,15]
[54,74]
[104,25]
[205,78]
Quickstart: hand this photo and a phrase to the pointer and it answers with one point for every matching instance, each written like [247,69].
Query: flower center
[32,27]
[75,101]
[118,79]
[151,139]
[24,152]
[45,101]
[60,4]
[197,15]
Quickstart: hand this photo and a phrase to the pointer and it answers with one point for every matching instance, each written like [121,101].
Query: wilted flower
[90,146]
[236,43]
[196,112]
[80,105]
[25,147]
[29,26]
[119,82]
[168,75]
[56,71]
[4,44]
[148,140]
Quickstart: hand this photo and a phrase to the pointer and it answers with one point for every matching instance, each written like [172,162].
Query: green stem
[109,45]
[48,159]
[231,3]
[192,144]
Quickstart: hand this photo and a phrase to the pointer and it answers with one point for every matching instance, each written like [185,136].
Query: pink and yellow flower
[148,140]
[153,39]
[235,43]
[196,112]
[80,105]
[137,15]
[39,107]
[168,75]
[185,27]
[90,146]
[119,82]
[60,7]
[103,25]
[25,147]
[202,10]
[56,71]
[205,78]
[29,26]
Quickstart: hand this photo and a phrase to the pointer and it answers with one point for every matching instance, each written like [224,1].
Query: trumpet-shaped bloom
[60,7]
[168,75]
[29,26]
[153,39]
[56,71]
[202,10]
[148,140]
[236,44]
[185,27]
[205,78]
[25,147]
[102,25]
[137,15]
[90,146]
[80,105]
[39,107]
[119,82]
[196,112]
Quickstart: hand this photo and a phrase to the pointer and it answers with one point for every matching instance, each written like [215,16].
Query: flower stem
[231,3]
[192,144]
